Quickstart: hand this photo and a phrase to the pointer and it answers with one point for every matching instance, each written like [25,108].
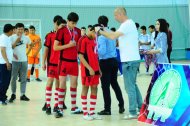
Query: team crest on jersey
[52,72]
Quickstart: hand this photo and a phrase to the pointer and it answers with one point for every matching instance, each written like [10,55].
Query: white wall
[96,2]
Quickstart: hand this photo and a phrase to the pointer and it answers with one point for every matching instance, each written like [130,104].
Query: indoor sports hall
[158,88]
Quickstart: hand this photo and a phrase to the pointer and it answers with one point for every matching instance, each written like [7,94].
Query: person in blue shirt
[161,39]
[109,67]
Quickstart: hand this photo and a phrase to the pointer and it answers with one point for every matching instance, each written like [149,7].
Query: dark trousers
[169,54]
[5,77]
[119,61]
[109,68]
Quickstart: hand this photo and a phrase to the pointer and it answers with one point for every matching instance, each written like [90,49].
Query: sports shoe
[104,112]
[121,110]
[48,110]
[28,80]
[76,111]
[129,117]
[13,97]
[4,102]
[87,117]
[58,113]
[55,108]
[96,117]
[44,107]
[64,106]
[38,79]
[24,98]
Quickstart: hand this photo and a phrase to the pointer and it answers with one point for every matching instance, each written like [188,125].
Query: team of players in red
[62,48]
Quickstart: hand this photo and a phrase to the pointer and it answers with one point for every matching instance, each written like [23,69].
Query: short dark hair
[73,17]
[137,25]
[143,27]
[83,28]
[89,26]
[7,28]
[113,29]
[103,20]
[32,27]
[152,26]
[19,25]
[56,18]
[61,21]
[25,29]
[168,24]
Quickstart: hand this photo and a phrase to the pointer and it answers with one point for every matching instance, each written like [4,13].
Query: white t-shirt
[144,39]
[128,43]
[20,49]
[152,38]
[6,42]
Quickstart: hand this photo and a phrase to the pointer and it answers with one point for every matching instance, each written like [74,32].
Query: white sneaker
[87,117]
[128,117]
[96,117]
[76,111]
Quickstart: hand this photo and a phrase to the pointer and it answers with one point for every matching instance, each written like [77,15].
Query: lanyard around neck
[71,34]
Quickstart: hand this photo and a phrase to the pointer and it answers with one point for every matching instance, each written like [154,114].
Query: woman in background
[161,45]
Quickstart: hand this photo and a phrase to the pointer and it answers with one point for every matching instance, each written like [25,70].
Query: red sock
[61,95]
[56,97]
[84,104]
[48,96]
[93,99]
[73,98]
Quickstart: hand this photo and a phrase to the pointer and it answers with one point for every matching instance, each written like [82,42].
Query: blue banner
[168,97]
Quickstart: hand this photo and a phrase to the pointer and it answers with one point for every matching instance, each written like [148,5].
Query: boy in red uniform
[90,72]
[66,41]
[51,57]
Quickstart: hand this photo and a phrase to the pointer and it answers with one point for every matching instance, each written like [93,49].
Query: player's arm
[29,46]
[29,49]
[58,47]
[85,63]
[44,58]
[40,46]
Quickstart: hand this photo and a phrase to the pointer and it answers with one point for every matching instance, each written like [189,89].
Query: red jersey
[64,36]
[86,47]
[53,56]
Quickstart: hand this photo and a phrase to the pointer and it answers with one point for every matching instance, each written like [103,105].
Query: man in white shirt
[128,44]
[19,64]
[152,31]
[152,37]
[6,55]
[144,42]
